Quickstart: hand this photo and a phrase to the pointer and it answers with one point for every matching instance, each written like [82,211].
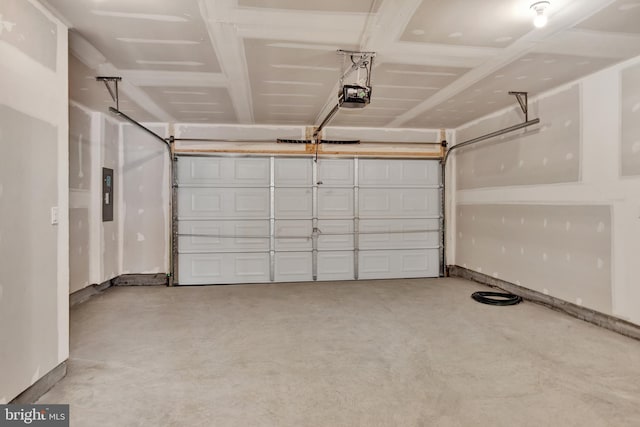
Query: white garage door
[262,219]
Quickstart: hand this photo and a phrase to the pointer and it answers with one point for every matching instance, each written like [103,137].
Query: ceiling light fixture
[540,8]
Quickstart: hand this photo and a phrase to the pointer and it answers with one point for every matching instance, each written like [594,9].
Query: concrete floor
[370,353]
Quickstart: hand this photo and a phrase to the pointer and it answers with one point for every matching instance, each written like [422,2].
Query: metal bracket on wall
[113,91]
[523,100]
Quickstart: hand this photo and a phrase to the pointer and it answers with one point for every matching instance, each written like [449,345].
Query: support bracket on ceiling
[113,91]
[523,100]
[358,60]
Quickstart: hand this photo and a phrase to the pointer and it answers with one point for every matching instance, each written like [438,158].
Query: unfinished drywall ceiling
[531,73]
[144,35]
[621,16]
[488,23]
[274,62]
[195,104]
[296,82]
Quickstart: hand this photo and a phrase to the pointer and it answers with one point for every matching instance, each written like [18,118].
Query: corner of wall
[555,202]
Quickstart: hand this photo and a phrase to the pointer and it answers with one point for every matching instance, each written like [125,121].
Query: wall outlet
[54,215]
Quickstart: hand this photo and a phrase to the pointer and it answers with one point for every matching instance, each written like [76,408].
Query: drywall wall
[110,255]
[80,206]
[564,251]
[94,143]
[34,254]
[557,209]
[137,240]
[550,154]
[146,201]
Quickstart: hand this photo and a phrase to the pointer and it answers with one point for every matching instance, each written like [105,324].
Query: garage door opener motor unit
[355,83]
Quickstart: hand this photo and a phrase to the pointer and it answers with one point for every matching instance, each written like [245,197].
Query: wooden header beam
[431,150]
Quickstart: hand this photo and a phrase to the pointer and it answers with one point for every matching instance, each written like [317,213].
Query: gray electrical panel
[107,194]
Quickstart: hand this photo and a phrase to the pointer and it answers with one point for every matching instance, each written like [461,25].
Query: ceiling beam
[229,47]
[389,24]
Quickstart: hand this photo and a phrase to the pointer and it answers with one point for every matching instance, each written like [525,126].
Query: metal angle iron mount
[523,100]
[113,91]
[358,60]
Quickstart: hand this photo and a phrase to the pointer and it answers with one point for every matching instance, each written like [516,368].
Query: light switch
[54,215]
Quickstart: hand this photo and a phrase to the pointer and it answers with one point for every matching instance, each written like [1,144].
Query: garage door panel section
[399,203]
[399,173]
[335,265]
[222,236]
[293,203]
[335,172]
[293,235]
[293,267]
[221,268]
[335,203]
[389,264]
[217,171]
[223,203]
[335,235]
[293,172]
[399,234]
